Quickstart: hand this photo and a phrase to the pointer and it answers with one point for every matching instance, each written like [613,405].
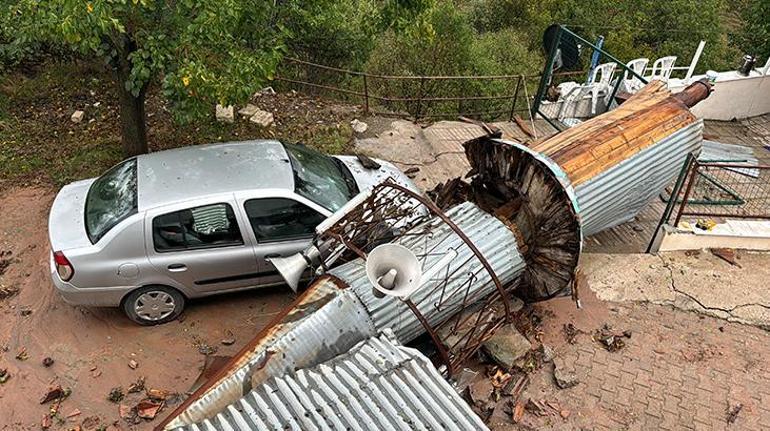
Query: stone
[248,110]
[77,116]
[506,346]
[225,114]
[262,118]
[563,378]
[359,126]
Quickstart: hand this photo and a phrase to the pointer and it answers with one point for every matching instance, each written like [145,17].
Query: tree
[200,52]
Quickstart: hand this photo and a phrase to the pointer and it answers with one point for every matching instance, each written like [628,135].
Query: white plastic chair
[601,81]
[571,96]
[638,65]
[662,68]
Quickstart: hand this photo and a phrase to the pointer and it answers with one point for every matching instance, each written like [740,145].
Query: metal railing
[547,78]
[487,97]
[717,190]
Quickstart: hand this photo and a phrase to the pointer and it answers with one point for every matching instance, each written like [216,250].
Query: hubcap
[154,305]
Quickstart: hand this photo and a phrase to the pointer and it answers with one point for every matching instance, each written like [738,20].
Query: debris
[47,361]
[536,407]
[137,386]
[96,373]
[205,349]
[46,422]
[367,162]
[128,413]
[265,91]
[515,386]
[564,414]
[116,394]
[248,110]
[563,378]
[73,413]
[229,338]
[611,341]
[729,255]
[91,423]
[54,393]
[8,291]
[732,413]
[358,126]
[499,379]
[148,409]
[411,172]
[4,375]
[705,224]
[518,412]
[133,364]
[25,312]
[262,118]
[158,394]
[22,355]
[546,353]
[570,332]
[506,346]
[224,114]
[77,116]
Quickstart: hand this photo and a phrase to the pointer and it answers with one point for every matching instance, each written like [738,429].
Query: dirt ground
[92,348]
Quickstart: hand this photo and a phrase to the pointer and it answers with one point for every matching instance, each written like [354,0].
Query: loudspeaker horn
[292,267]
[393,270]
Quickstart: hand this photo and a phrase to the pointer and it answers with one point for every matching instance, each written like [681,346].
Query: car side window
[201,227]
[279,219]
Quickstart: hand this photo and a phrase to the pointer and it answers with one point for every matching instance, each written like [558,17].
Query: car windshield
[320,178]
[111,198]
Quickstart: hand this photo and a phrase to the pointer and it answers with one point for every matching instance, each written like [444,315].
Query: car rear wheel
[154,305]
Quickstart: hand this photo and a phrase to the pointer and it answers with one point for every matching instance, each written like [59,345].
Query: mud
[92,348]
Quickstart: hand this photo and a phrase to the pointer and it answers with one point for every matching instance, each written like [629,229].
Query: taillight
[63,266]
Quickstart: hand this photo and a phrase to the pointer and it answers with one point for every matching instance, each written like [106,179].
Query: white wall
[734,96]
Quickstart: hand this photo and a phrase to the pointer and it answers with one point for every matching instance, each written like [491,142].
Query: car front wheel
[153,305]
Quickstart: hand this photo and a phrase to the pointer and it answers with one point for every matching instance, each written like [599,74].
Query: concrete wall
[734,96]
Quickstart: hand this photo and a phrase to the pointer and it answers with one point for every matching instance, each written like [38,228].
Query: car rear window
[111,198]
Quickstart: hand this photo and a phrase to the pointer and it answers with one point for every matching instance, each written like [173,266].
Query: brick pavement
[678,371]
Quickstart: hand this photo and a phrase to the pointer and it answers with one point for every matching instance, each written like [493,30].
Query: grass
[40,145]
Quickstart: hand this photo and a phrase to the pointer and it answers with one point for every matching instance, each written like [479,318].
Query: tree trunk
[133,124]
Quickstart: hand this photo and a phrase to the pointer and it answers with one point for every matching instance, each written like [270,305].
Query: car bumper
[90,296]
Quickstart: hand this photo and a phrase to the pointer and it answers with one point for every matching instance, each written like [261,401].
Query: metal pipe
[694,62]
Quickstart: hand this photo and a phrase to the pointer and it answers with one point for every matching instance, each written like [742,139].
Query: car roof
[167,177]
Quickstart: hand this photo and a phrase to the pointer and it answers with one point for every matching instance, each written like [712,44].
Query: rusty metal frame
[695,170]
[476,317]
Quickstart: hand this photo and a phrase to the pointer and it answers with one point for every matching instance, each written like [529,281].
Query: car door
[281,226]
[201,247]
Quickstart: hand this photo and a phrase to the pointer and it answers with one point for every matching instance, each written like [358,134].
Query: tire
[153,305]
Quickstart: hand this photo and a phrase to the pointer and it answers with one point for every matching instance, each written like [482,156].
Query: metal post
[687,191]
[694,61]
[515,96]
[595,59]
[366,96]
[673,198]
[545,79]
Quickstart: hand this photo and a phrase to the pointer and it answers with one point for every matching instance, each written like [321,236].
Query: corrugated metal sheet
[493,239]
[377,385]
[621,192]
[718,152]
[330,322]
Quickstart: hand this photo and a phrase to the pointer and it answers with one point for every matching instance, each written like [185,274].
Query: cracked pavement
[693,281]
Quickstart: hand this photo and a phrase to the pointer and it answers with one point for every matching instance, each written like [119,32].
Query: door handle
[273,255]
[177,267]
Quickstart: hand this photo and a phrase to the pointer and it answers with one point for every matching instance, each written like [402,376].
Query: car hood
[368,178]
[66,221]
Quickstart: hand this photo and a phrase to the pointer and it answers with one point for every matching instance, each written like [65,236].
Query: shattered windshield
[320,178]
[111,198]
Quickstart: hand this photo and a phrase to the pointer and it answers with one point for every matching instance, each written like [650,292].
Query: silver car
[159,229]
